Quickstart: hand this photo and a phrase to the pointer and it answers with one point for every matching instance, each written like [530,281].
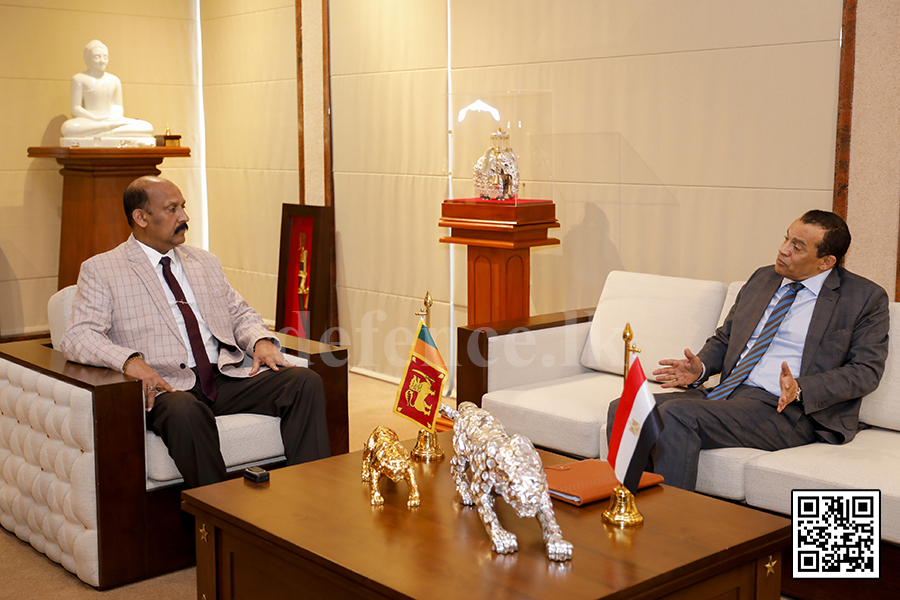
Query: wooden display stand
[94,180]
[499,236]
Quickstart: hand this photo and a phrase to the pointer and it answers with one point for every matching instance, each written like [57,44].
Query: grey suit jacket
[120,308]
[844,354]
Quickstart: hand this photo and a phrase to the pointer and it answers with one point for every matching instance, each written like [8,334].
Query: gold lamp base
[427,448]
[622,510]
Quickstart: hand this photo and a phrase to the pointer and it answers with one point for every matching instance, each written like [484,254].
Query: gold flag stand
[622,509]
[427,448]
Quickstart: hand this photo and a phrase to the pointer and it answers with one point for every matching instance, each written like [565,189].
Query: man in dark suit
[830,330]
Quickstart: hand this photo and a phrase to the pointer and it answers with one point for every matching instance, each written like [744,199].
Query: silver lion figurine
[503,465]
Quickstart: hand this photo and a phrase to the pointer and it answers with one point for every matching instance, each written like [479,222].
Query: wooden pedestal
[94,179]
[499,236]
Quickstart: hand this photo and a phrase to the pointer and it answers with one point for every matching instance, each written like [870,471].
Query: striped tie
[745,365]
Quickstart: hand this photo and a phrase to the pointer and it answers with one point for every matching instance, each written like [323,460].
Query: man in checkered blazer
[187,339]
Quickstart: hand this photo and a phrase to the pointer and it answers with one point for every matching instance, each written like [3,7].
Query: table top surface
[321,511]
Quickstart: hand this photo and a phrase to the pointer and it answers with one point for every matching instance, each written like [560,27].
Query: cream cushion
[567,415]
[868,462]
[245,440]
[667,315]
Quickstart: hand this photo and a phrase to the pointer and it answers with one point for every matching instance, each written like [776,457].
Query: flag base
[427,448]
[622,510]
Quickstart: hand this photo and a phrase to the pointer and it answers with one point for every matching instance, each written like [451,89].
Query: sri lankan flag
[419,395]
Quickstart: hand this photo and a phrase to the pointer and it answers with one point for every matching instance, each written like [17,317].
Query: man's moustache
[180,228]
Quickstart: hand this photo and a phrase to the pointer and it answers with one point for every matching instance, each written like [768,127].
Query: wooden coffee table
[310,532]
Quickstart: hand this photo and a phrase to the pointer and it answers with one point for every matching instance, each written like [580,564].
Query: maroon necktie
[198,349]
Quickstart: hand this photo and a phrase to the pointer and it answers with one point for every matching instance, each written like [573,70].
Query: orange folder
[586,481]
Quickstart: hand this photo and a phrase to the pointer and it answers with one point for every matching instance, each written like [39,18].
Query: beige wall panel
[540,31]
[141,49]
[390,123]
[258,289]
[32,194]
[172,105]
[245,216]
[313,105]
[29,224]
[396,35]
[35,109]
[252,126]
[719,234]
[21,257]
[173,9]
[387,234]
[232,52]
[188,181]
[759,117]
[24,303]
[380,329]
[571,275]
[215,9]
[702,233]
[874,190]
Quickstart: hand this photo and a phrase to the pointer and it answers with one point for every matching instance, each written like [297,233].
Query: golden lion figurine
[383,455]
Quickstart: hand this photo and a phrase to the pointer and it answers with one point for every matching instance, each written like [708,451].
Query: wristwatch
[797,395]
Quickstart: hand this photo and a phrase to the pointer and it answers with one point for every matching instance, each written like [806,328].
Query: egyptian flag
[419,395]
[636,427]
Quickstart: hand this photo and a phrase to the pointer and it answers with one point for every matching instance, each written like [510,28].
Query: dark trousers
[747,419]
[185,420]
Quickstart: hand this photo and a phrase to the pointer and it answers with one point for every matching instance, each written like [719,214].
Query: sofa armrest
[519,351]
[330,362]
[118,435]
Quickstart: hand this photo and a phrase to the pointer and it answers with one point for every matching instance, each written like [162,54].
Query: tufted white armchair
[82,480]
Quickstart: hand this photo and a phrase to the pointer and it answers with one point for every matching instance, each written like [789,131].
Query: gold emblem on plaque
[203,533]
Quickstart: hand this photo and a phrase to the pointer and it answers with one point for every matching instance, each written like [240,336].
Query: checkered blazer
[120,308]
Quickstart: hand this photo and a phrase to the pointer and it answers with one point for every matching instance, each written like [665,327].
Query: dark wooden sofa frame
[143,533]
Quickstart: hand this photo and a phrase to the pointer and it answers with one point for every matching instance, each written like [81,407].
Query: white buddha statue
[97,114]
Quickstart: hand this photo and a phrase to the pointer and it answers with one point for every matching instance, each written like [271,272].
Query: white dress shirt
[791,336]
[209,341]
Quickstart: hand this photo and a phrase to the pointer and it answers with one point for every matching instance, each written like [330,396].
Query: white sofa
[552,377]
[84,482]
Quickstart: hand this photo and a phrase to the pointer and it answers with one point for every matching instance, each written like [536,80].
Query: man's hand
[266,353]
[679,372]
[789,387]
[153,382]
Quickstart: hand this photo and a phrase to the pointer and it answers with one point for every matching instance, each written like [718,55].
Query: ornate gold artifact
[383,455]
[496,174]
[303,283]
[507,466]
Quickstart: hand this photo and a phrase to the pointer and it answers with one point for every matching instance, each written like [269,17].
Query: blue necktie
[746,364]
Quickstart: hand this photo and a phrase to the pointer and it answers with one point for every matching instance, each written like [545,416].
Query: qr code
[836,533]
